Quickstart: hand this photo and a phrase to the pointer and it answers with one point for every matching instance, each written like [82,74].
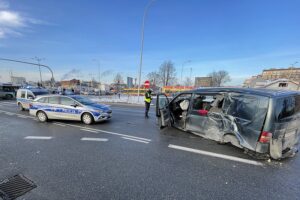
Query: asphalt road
[130,158]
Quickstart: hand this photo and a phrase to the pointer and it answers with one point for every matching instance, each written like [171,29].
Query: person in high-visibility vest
[148,99]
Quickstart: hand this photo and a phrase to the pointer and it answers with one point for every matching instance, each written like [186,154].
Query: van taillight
[265,137]
[30,105]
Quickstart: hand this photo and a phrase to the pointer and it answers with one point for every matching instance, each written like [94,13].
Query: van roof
[255,91]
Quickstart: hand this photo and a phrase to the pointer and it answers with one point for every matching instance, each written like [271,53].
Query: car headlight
[99,111]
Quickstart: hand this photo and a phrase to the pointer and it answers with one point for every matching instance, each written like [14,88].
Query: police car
[71,107]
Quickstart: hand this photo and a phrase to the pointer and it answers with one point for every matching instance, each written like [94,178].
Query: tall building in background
[203,81]
[18,80]
[129,82]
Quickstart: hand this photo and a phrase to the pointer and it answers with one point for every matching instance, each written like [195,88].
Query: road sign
[147,84]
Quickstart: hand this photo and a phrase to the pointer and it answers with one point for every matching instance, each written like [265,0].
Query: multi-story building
[18,80]
[288,73]
[71,84]
[129,82]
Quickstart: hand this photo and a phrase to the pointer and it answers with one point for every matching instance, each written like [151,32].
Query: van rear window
[287,107]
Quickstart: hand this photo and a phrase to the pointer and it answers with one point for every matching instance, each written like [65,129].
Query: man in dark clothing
[148,99]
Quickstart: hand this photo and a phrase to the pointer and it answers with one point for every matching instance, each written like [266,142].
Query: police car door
[162,110]
[54,109]
[70,110]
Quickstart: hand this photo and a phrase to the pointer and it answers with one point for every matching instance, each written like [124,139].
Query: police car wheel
[87,118]
[42,116]
[20,107]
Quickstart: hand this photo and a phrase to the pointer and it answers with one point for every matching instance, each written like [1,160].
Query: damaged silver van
[266,123]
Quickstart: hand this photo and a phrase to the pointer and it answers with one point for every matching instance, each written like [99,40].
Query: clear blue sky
[240,36]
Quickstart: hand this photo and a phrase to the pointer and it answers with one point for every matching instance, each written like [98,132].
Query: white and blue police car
[72,107]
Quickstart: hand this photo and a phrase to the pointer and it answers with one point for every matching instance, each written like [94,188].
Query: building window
[283,84]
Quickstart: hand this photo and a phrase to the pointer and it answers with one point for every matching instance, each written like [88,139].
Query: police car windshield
[83,100]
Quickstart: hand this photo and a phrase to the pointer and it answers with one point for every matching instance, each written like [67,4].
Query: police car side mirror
[74,105]
[31,98]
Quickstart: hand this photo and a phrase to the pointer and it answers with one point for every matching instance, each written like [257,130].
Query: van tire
[42,116]
[20,107]
[87,118]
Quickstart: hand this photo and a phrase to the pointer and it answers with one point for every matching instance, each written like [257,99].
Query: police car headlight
[99,111]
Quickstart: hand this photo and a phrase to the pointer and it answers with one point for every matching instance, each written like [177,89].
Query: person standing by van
[148,99]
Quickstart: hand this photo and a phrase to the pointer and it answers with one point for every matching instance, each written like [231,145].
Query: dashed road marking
[109,132]
[59,124]
[127,138]
[207,153]
[94,139]
[93,131]
[37,138]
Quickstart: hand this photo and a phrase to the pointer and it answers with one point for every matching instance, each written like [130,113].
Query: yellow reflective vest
[148,97]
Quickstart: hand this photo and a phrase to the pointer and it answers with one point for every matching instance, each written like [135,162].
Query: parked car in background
[71,107]
[263,122]
[25,96]
[7,92]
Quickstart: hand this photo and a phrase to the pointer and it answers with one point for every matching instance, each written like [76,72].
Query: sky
[77,38]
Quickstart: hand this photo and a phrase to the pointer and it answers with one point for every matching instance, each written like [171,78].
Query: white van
[25,96]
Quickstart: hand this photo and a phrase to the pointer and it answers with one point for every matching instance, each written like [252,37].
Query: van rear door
[287,126]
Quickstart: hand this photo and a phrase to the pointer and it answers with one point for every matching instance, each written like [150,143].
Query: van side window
[23,93]
[241,106]
[287,107]
[202,102]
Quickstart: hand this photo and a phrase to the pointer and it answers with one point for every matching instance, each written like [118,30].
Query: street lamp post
[98,63]
[185,62]
[29,63]
[142,45]
[38,61]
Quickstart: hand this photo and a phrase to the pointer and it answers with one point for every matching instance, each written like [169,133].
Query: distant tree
[118,79]
[188,81]
[219,77]
[154,78]
[167,73]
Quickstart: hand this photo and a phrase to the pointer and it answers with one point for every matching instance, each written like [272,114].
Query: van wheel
[42,117]
[87,118]
[20,107]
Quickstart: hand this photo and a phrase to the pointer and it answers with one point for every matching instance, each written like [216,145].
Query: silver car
[71,107]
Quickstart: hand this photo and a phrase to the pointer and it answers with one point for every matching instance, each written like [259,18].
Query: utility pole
[142,46]
[39,64]
[185,62]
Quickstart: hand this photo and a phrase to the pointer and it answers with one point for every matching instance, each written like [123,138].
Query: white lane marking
[94,139]
[59,124]
[37,138]
[94,130]
[207,153]
[6,103]
[9,102]
[126,138]
[109,132]
[23,116]
[83,129]
[11,113]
